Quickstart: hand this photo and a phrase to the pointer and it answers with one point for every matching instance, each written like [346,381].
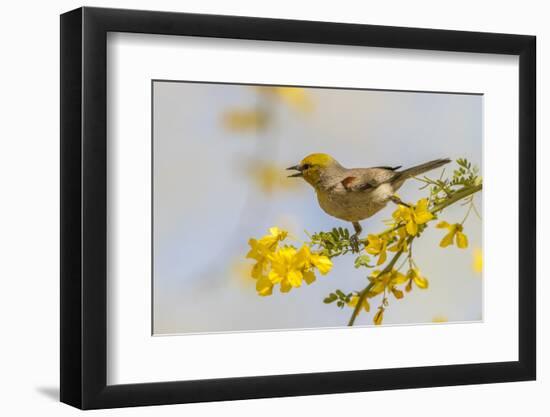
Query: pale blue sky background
[207,205]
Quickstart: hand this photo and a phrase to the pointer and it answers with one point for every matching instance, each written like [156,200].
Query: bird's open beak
[295,168]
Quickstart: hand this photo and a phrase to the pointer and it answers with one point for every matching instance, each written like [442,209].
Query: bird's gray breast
[354,205]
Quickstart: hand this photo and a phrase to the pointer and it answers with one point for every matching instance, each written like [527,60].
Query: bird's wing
[390,168]
[361,179]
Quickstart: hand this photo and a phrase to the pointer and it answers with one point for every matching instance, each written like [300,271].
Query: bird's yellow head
[313,166]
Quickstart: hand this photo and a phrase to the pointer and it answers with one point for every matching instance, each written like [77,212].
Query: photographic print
[282,207]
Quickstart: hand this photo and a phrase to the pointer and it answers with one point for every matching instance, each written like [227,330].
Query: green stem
[459,195]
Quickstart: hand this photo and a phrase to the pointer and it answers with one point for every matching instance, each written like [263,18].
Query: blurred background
[219,153]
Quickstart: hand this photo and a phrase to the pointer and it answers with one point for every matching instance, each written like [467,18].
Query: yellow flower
[295,97]
[245,120]
[321,262]
[270,178]
[309,260]
[413,216]
[355,299]
[439,319]
[478,260]
[388,280]
[379,316]
[377,282]
[275,236]
[396,278]
[454,235]
[401,244]
[264,286]
[397,293]
[413,275]
[377,246]
[285,269]
[260,251]
[285,266]
[290,267]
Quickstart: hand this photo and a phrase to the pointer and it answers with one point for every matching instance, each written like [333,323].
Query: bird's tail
[420,169]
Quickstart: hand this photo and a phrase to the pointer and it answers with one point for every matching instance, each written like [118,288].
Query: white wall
[29,264]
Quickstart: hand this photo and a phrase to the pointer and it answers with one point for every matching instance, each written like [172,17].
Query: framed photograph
[258,208]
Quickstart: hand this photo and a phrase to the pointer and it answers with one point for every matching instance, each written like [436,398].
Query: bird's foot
[354,242]
[354,239]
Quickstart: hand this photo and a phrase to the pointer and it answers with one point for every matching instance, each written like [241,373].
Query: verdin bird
[358,193]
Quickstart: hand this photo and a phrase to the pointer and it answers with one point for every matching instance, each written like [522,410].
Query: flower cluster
[385,282]
[286,265]
[259,118]
[295,97]
[413,217]
[388,281]
[407,222]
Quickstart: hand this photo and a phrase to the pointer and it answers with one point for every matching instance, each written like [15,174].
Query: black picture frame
[84,207]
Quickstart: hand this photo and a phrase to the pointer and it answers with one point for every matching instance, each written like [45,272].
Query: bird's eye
[305,166]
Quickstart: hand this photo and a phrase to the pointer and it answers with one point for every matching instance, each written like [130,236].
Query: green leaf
[330,299]
[363,260]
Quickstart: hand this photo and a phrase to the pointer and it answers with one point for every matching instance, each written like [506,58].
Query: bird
[355,194]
